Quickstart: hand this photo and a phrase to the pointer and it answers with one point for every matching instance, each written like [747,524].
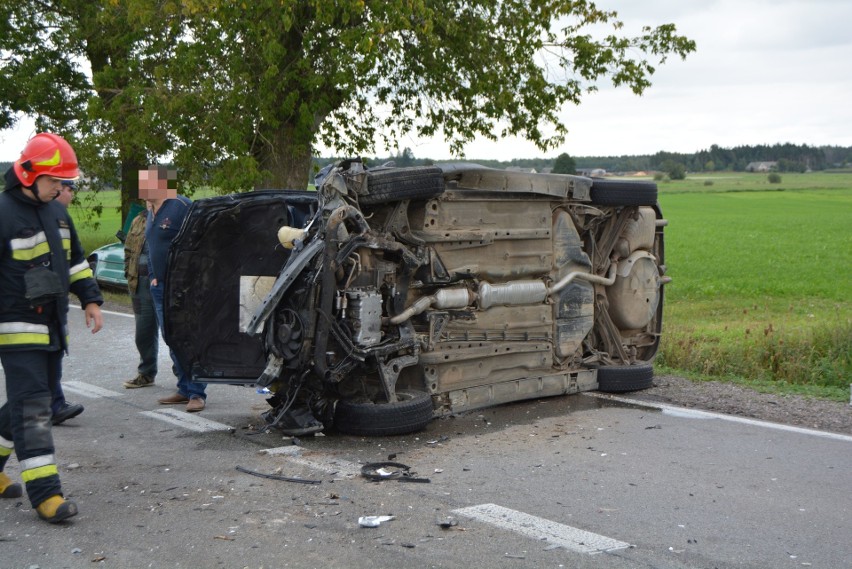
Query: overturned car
[391,296]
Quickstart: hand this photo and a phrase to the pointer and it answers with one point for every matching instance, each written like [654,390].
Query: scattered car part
[378,471]
[277,476]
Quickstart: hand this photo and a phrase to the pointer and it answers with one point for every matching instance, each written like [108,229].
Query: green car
[107,264]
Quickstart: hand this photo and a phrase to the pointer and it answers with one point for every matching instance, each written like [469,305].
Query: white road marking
[571,538]
[107,311]
[329,465]
[696,414]
[88,390]
[187,420]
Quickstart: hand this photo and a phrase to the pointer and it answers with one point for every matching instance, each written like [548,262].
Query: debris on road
[378,471]
[278,477]
[373,521]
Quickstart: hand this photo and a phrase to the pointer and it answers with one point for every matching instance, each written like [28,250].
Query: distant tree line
[790,158]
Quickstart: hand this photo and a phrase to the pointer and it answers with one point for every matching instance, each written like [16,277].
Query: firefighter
[41,259]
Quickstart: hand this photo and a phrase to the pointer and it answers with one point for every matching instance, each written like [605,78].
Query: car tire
[621,379]
[395,184]
[411,413]
[622,192]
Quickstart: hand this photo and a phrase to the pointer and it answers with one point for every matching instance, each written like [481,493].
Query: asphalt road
[576,481]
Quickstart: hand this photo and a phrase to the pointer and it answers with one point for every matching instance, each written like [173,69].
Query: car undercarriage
[402,294]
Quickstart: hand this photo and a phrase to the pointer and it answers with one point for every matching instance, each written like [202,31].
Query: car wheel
[412,412]
[395,184]
[622,192]
[620,379]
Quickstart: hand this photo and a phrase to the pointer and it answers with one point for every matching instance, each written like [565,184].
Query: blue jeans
[185,385]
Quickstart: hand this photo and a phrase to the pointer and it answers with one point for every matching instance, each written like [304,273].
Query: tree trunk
[284,160]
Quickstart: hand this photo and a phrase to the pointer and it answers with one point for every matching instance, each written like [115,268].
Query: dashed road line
[187,421]
[112,312]
[571,538]
[329,465]
[88,390]
[556,534]
[173,416]
[696,414]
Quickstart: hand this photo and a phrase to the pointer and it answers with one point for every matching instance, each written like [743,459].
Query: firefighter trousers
[25,419]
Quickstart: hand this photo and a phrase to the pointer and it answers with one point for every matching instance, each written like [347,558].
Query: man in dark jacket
[166,212]
[41,259]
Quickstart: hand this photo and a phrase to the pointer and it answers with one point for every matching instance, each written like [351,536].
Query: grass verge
[761,289]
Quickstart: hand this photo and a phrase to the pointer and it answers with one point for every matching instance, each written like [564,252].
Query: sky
[764,72]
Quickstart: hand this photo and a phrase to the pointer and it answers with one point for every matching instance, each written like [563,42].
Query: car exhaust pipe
[567,279]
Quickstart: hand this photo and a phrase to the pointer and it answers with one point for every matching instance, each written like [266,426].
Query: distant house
[761,166]
[592,172]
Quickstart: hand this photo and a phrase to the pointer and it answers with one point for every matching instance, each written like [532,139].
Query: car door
[221,265]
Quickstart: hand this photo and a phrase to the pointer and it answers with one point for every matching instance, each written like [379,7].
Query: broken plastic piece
[377,471]
[448,523]
[383,470]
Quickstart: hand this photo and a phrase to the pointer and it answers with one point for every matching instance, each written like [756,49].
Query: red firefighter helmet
[46,154]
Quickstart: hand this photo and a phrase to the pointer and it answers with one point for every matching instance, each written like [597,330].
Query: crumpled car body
[395,295]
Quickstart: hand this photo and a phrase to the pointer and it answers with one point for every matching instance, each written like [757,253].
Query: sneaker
[139,381]
[195,405]
[67,411]
[9,489]
[55,509]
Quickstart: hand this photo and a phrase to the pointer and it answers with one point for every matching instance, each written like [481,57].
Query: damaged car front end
[395,295]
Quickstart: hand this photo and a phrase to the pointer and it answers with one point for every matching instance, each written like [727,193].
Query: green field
[97,216]
[762,278]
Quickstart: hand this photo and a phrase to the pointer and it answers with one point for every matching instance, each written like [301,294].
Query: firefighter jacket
[34,234]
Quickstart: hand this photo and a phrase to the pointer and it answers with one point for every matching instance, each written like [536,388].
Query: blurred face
[66,194]
[154,184]
[48,188]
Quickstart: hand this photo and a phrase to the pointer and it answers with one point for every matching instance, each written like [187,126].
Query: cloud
[765,72]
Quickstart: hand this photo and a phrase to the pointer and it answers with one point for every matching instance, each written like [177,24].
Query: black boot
[67,411]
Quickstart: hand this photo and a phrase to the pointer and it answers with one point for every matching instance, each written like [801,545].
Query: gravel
[731,399]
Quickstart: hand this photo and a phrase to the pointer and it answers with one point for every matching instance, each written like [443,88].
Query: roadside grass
[725,182]
[761,283]
[762,278]
[97,216]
